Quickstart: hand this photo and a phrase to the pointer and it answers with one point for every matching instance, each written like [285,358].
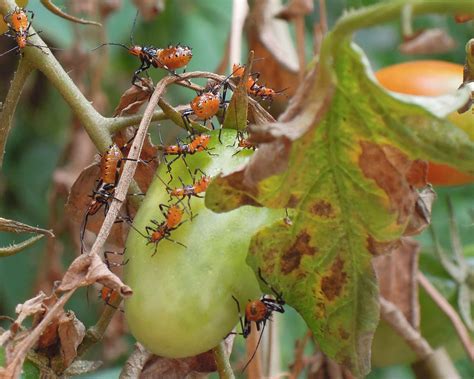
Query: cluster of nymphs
[203,107]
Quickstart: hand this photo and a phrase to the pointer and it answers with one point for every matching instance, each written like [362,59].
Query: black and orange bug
[171,58]
[19,26]
[196,144]
[243,143]
[207,103]
[110,169]
[196,189]
[173,215]
[259,312]
[109,296]
[253,88]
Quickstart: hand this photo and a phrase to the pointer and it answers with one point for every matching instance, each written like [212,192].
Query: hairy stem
[222,361]
[9,106]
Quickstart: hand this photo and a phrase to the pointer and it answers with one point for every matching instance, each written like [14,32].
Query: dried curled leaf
[57,11]
[88,269]
[133,98]
[347,165]
[396,274]
[71,332]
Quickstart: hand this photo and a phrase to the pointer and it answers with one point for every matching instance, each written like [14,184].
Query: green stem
[95,333]
[116,124]
[222,361]
[8,108]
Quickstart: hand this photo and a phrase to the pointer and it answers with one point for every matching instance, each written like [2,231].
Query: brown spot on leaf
[320,310]
[292,201]
[322,208]
[332,284]
[343,333]
[388,166]
[417,173]
[292,257]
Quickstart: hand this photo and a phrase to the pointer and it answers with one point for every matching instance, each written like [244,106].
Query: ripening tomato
[431,78]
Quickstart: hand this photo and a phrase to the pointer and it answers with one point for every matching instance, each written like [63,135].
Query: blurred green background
[43,122]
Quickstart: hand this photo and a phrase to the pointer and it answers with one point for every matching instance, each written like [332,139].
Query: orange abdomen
[19,21]
[174,57]
[206,106]
[110,164]
[255,311]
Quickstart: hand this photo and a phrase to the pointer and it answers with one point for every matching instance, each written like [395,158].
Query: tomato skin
[431,78]
[182,301]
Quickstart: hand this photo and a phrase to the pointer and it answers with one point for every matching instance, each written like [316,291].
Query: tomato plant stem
[222,360]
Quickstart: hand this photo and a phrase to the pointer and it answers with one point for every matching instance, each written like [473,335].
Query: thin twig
[57,11]
[135,362]
[222,361]
[9,106]
[449,311]
[395,318]
[95,333]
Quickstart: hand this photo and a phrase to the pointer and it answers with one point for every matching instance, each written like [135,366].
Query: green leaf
[344,163]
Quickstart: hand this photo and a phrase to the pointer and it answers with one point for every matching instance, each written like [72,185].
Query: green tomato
[182,297]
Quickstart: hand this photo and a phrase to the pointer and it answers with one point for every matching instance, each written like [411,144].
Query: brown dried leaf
[71,333]
[149,9]
[133,98]
[88,269]
[428,41]
[145,169]
[168,368]
[270,39]
[79,200]
[396,274]
[296,8]
[49,337]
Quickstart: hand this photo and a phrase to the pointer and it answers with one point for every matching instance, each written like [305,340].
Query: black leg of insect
[114,264]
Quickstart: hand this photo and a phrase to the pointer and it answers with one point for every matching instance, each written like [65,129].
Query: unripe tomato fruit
[431,78]
[182,297]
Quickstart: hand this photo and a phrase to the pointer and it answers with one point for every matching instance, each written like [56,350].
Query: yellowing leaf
[347,163]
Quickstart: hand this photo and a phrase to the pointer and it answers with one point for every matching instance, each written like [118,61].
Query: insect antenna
[132,40]
[111,43]
[256,348]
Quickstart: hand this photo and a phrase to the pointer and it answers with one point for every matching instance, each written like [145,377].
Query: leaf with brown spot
[348,163]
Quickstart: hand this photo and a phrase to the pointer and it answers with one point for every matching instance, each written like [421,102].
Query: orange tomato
[431,78]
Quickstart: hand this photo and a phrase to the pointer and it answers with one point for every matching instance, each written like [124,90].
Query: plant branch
[448,310]
[95,333]
[9,106]
[222,361]
[395,318]
[135,362]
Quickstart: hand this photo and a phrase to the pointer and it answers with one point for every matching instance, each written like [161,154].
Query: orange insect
[110,170]
[253,88]
[171,58]
[206,104]
[162,230]
[198,187]
[18,28]
[196,144]
[259,312]
[243,143]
